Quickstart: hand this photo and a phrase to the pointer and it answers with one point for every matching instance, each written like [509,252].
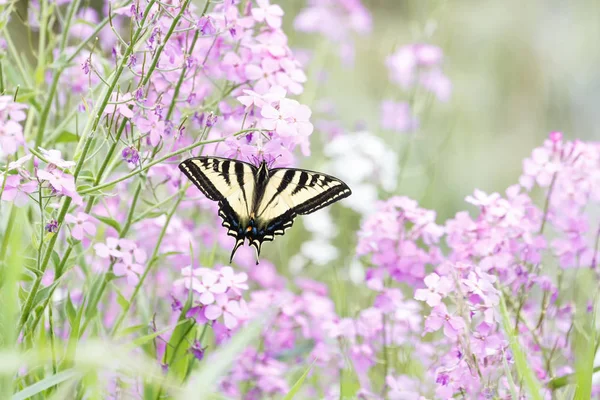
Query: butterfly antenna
[272,162]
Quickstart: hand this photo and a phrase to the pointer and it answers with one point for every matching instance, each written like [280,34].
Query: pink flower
[120,103]
[55,157]
[437,288]
[289,120]
[127,267]
[440,317]
[235,282]
[16,191]
[82,225]
[11,137]
[229,309]
[262,74]
[152,125]
[271,13]
[209,286]
[12,110]
[60,182]
[108,249]
[18,165]
[397,116]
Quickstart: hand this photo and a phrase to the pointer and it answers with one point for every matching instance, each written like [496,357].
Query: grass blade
[294,390]
[525,372]
[44,384]
[203,382]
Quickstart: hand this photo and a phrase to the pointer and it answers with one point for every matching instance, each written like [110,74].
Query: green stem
[151,262]
[158,205]
[93,303]
[164,42]
[7,232]
[33,292]
[74,6]
[181,77]
[47,107]
[39,73]
[149,165]
[17,59]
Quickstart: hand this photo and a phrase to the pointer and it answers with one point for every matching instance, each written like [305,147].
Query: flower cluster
[214,294]
[11,131]
[401,239]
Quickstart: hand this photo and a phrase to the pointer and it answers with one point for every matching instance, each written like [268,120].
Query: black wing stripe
[313,180]
[225,172]
[301,183]
[239,174]
[195,174]
[324,199]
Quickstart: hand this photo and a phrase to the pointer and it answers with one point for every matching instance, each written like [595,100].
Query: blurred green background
[519,70]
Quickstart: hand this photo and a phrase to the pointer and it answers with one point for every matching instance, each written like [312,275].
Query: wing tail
[238,243]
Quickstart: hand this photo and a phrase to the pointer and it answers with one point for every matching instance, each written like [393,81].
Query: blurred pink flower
[55,157]
[82,225]
[152,125]
[15,191]
[437,288]
[229,309]
[271,13]
[119,103]
[397,116]
[108,249]
[440,317]
[127,267]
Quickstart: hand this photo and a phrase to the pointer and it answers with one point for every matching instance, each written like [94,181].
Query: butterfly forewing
[301,191]
[229,182]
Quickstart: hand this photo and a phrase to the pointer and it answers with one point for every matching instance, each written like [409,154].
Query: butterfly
[258,203]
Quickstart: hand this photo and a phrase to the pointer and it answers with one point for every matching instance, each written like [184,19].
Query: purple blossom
[131,155]
[206,26]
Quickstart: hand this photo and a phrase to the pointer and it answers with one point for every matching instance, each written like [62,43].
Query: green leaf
[349,384]
[43,294]
[130,330]
[44,384]
[150,337]
[294,390]
[203,382]
[511,383]
[123,302]
[523,369]
[584,334]
[108,221]
[67,137]
[70,310]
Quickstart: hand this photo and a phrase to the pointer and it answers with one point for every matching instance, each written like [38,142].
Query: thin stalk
[74,6]
[181,77]
[93,303]
[41,56]
[150,165]
[547,203]
[164,42]
[7,232]
[158,205]
[16,57]
[151,261]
